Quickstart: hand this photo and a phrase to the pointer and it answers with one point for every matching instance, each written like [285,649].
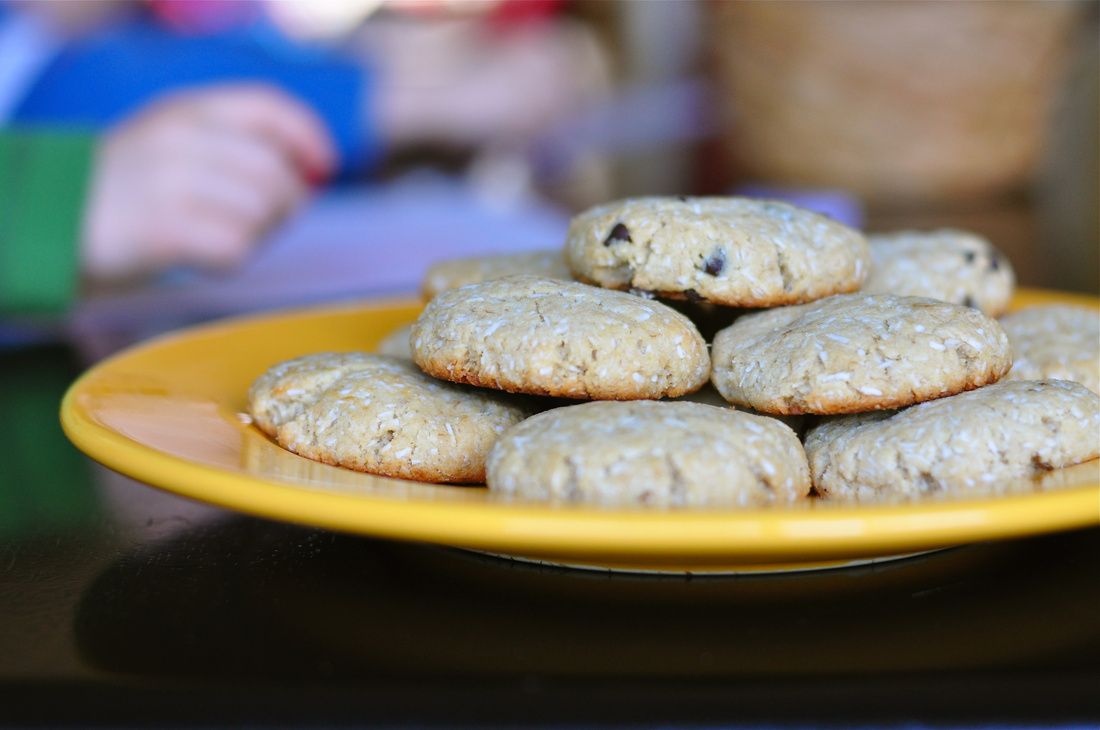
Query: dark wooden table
[122,605]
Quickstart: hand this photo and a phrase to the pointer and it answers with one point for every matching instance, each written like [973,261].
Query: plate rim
[824,532]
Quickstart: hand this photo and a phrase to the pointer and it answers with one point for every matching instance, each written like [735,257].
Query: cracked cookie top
[731,251]
[454,273]
[650,454]
[1055,341]
[380,415]
[529,334]
[973,443]
[857,352]
[954,266]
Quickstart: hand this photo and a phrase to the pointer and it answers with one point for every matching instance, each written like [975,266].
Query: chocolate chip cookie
[380,415]
[1055,341]
[652,454]
[731,251]
[454,273]
[972,443]
[857,352]
[528,334]
[954,266]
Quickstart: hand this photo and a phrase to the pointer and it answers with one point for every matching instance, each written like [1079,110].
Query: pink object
[202,16]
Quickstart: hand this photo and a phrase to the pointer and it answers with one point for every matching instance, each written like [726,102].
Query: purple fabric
[837,204]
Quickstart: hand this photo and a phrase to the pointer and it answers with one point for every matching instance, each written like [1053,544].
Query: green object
[45,484]
[43,180]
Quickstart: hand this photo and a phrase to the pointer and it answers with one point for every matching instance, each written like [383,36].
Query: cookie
[971,443]
[730,251]
[529,334]
[953,266]
[1055,342]
[380,415]
[708,395]
[396,343]
[652,454]
[454,273]
[857,352]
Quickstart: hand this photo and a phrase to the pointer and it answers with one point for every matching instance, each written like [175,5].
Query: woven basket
[896,101]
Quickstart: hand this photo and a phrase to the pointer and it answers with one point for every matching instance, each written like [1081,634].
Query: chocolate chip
[968,301]
[682,198]
[618,233]
[969,256]
[716,262]
[694,296]
[994,261]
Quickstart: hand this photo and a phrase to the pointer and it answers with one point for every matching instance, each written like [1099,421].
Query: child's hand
[198,178]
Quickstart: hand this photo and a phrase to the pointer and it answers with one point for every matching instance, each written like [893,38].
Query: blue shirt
[95,81]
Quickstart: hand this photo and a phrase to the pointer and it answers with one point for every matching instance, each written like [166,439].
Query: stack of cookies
[890,346]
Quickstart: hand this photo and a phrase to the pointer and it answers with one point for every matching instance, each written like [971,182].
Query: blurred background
[167,162]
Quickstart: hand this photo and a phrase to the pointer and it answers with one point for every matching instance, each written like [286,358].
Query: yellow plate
[169,413]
